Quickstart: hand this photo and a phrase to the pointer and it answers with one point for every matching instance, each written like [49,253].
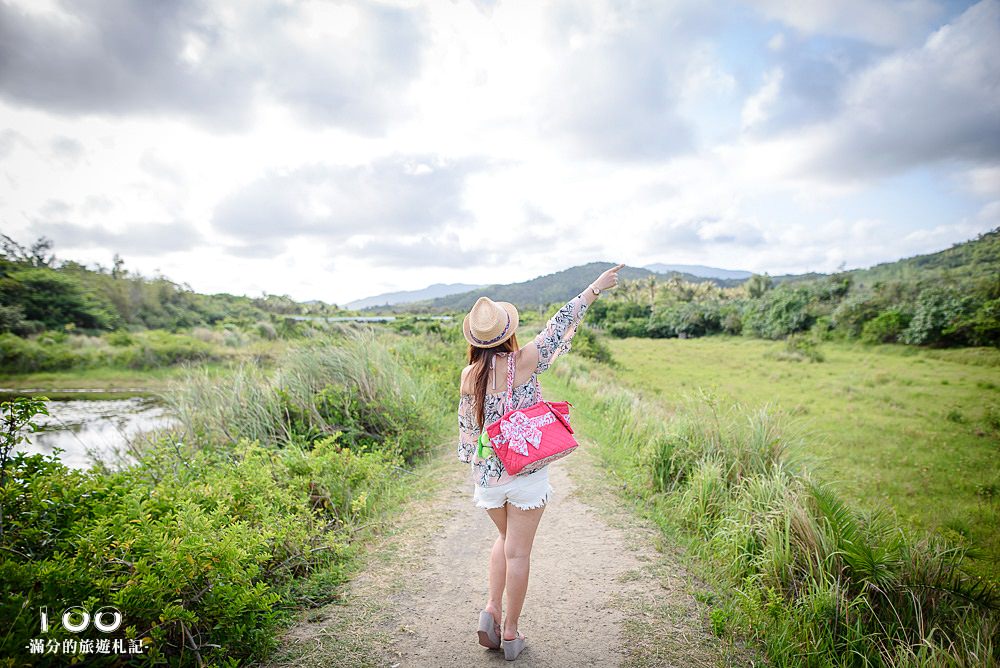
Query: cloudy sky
[334,150]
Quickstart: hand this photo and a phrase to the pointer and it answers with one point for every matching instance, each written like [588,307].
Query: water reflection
[92,430]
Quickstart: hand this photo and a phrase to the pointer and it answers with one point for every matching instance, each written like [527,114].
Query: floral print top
[553,341]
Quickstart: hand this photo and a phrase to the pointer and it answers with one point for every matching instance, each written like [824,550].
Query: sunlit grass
[787,562]
[916,429]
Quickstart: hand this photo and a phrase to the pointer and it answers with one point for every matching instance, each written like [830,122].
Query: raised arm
[555,338]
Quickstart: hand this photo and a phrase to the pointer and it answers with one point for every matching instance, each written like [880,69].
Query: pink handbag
[526,439]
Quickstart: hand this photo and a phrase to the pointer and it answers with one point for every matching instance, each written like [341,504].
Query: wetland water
[95,428]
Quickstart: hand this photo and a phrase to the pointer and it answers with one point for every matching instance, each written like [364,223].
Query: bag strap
[511,365]
[510,381]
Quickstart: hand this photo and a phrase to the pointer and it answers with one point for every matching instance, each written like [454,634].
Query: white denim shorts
[528,491]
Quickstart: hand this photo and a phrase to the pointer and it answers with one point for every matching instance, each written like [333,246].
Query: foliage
[686,319]
[779,312]
[590,344]
[886,327]
[55,299]
[352,385]
[757,285]
[814,580]
[56,351]
[18,417]
[37,292]
[198,548]
[211,541]
[951,298]
[619,318]
[935,315]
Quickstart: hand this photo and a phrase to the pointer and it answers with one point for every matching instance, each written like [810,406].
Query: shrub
[886,327]
[266,330]
[815,580]
[779,312]
[211,539]
[11,317]
[854,311]
[120,338]
[619,318]
[55,299]
[356,387]
[588,343]
[686,319]
[936,311]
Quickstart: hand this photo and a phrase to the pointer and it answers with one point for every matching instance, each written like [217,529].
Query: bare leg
[498,564]
[521,526]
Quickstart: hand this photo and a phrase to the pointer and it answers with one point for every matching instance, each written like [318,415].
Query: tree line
[40,293]
[950,298]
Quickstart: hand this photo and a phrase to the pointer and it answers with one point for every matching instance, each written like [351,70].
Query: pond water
[88,429]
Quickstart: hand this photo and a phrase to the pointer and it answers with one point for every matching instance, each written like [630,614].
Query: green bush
[354,385]
[887,327]
[190,544]
[157,348]
[588,343]
[686,319]
[120,338]
[212,539]
[814,580]
[935,313]
[55,299]
[11,318]
[980,328]
[619,318]
[779,312]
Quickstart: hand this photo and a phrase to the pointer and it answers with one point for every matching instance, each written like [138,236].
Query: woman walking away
[514,503]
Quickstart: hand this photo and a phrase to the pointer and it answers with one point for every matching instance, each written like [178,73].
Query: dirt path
[599,593]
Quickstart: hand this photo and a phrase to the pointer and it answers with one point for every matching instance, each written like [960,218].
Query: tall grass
[223,528]
[816,581]
[356,386]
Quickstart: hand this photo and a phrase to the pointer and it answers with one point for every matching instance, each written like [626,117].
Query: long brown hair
[480,359]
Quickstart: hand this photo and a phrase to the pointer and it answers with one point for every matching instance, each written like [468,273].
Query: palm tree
[651,284]
[757,285]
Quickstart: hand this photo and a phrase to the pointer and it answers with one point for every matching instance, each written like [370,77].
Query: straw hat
[489,323]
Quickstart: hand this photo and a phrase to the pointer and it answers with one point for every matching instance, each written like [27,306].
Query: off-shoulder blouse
[553,341]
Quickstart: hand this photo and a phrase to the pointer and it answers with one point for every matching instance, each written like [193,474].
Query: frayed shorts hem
[525,492]
[528,506]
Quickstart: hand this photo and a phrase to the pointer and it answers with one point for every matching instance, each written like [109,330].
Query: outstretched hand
[608,279]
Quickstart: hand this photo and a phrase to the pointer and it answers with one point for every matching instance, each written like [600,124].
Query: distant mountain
[978,256]
[544,290]
[971,259]
[698,270]
[407,296]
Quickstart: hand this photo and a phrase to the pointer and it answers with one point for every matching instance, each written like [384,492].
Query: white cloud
[927,105]
[757,106]
[982,181]
[892,23]
[335,150]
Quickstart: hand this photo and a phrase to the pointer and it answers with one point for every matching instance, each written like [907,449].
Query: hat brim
[514,321]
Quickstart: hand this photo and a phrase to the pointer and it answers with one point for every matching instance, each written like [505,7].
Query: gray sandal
[489,635]
[511,648]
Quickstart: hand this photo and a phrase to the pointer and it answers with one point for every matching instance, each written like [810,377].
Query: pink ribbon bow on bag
[520,430]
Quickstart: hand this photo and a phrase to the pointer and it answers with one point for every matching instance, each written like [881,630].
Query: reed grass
[815,580]
[356,386]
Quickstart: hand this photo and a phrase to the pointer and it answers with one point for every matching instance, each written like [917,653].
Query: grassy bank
[816,580]
[248,512]
[917,429]
[102,378]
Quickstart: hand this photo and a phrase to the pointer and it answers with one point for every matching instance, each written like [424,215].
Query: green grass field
[916,429]
[101,378]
